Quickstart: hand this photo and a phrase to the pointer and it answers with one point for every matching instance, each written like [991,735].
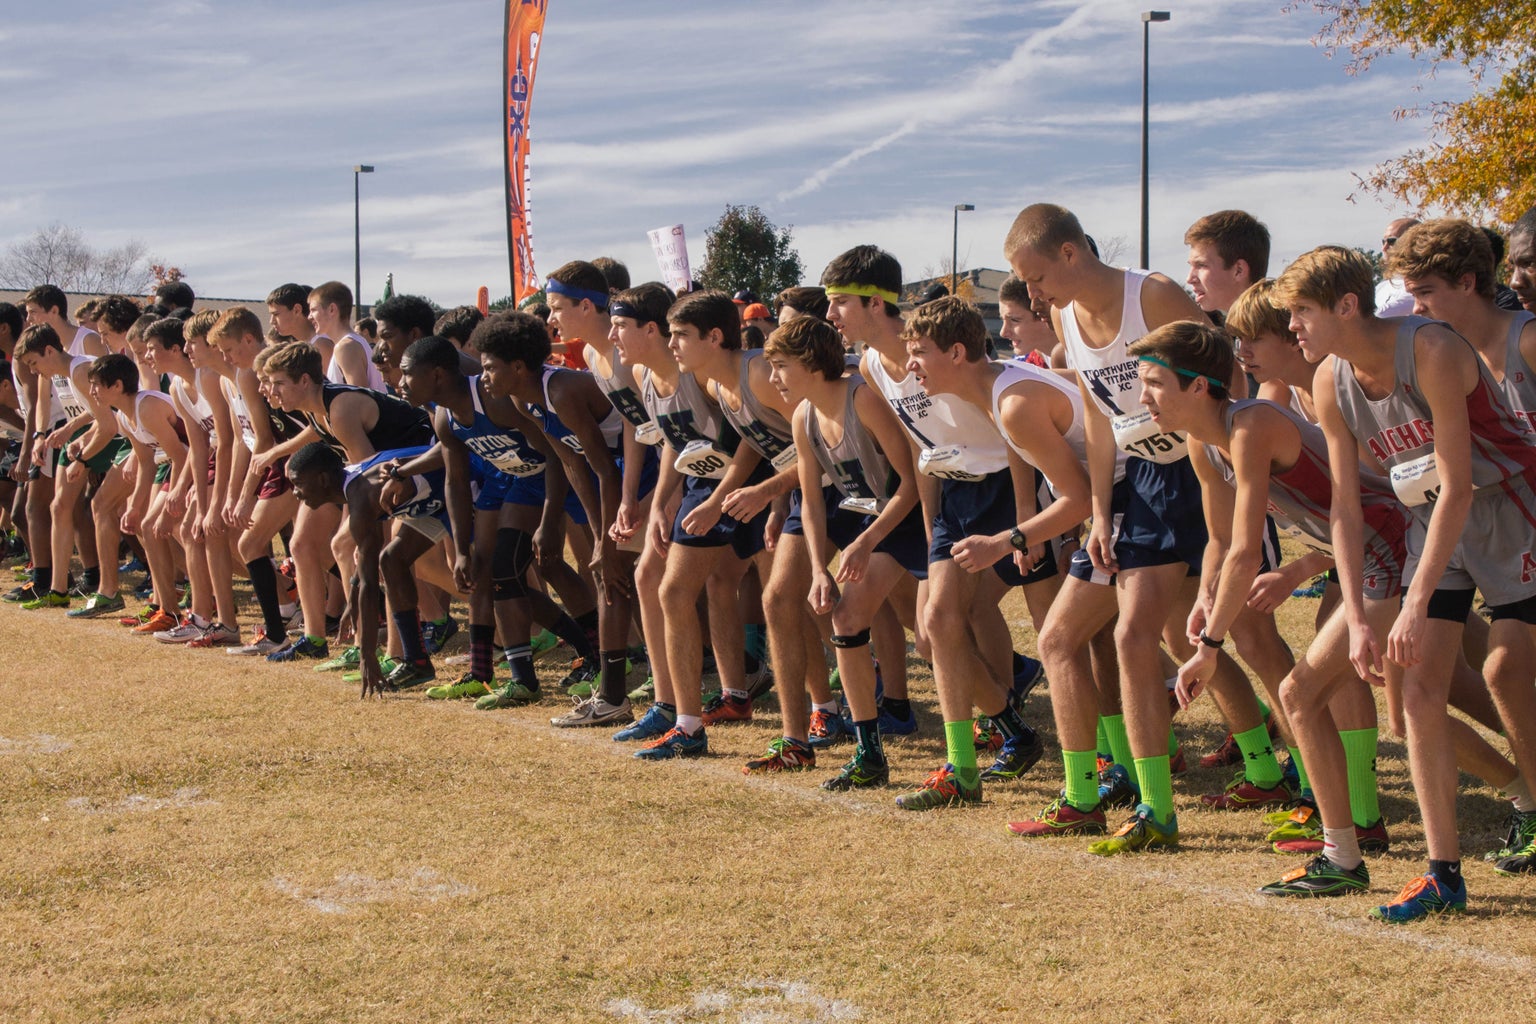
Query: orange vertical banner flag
[520,59]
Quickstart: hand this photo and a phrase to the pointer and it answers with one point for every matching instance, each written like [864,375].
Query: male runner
[1467,481]
[351,357]
[1255,455]
[1142,547]
[967,481]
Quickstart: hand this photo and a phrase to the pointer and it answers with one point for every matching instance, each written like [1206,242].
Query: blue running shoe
[435,634]
[675,743]
[653,724]
[1030,675]
[890,725]
[1314,589]
[1116,788]
[1291,775]
[828,729]
[1017,757]
[303,647]
[1421,897]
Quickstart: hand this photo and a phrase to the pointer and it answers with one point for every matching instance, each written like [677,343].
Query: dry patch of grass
[191,836]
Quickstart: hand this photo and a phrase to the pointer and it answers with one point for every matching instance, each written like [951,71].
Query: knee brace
[851,640]
[510,560]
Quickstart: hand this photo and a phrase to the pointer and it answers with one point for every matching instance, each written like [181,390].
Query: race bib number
[863,506]
[784,459]
[946,464]
[512,465]
[648,433]
[702,459]
[1138,434]
[1417,481]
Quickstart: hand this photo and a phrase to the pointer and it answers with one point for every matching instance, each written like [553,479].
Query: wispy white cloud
[224,136]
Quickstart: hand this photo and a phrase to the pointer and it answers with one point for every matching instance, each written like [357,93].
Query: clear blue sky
[223,135]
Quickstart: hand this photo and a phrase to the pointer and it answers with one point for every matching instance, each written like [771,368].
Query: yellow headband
[863,289]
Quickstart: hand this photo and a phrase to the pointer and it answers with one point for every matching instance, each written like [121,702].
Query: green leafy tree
[1481,157]
[745,250]
[1377,260]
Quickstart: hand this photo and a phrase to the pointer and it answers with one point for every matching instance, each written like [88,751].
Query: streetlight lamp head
[1156,15]
[363,169]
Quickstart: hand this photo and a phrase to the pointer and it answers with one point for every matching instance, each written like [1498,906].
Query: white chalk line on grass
[749,1002]
[39,743]
[187,796]
[352,890]
[1310,914]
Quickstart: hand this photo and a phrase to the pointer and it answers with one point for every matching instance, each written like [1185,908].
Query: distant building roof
[980,285]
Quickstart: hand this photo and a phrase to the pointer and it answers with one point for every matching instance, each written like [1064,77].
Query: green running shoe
[347,659]
[509,696]
[407,675]
[941,789]
[646,691]
[545,641]
[387,665]
[97,604]
[47,599]
[1304,823]
[1520,863]
[1519,833]
[861,772]
[467,686]
[1142,831]
[1320,877]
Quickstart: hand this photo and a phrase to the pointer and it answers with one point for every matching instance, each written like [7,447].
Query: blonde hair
[1324,276]
[1255,313]
[235,323]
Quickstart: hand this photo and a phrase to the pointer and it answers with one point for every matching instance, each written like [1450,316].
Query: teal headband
[1191,374]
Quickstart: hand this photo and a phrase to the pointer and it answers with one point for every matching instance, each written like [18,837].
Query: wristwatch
[1018,540]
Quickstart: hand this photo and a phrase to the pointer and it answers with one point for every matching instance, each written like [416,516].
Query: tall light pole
[954,252]
[357,236]
[1147,18]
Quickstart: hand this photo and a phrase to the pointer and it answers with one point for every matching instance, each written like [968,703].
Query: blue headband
[570,291]
[624,309]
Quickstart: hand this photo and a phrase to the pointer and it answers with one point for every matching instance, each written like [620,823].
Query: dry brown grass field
[193,837]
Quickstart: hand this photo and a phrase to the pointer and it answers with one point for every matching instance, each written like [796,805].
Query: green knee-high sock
[1263,708]
[1119,742]
[1259,764]
[1301,769]
[1156,785]
[1173,742]
[1082,778]
[1102,741]
[962,752]
[1360,763]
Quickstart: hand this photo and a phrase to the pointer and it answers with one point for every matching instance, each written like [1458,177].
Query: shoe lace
[820,724]
[1133,825]
[943,782]
[1416,887]
[665,738]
